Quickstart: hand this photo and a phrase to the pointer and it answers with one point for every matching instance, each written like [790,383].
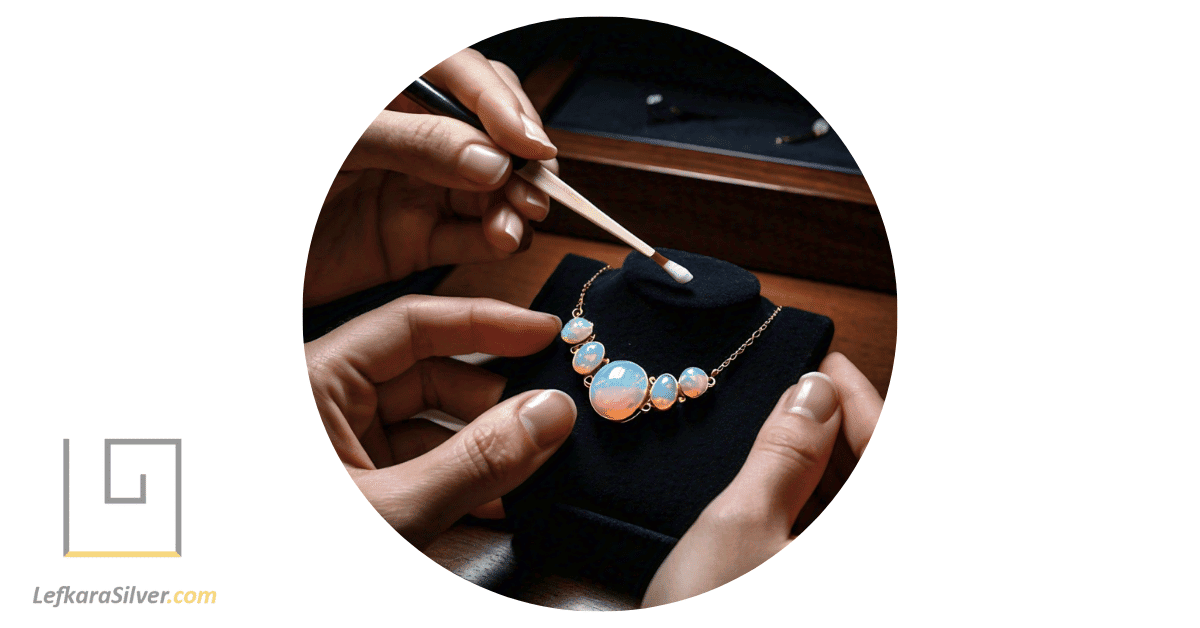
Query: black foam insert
[612,502]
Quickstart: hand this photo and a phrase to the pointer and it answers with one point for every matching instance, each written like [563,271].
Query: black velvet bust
[616,497]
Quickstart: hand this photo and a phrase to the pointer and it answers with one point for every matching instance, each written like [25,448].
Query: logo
[124,517]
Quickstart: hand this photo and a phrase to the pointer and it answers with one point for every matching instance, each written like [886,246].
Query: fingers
[385,342]
[504,228]
[477,83]
[341,181]
[452,154]
[501,232]
[485,460]
[514,83]
[533,203]
[440,150]
[751,520]
[529,201]
[415,437]
[788,456]
[461,390]
[861,403]
[374,441]
[491,510]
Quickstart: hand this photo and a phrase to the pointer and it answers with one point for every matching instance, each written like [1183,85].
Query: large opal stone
[618,390]
[693,382]
[588,358]
[664,392]
[576,330]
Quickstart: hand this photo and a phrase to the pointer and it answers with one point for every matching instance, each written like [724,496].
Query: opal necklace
[619,390]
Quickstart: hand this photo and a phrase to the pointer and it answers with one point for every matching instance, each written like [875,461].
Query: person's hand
[753,518]
[420,190]
[372,374]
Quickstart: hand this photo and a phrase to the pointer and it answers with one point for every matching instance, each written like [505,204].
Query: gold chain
[712,377]
[578,311]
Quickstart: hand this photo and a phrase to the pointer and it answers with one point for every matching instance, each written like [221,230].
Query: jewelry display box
[616,497]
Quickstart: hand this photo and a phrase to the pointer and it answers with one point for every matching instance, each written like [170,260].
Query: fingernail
[535,132]
[526,241]
[482,164]
[512,227]
[537,198]
[815,398]
[548,417]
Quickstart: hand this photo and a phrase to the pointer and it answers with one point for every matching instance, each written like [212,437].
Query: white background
[1034,164]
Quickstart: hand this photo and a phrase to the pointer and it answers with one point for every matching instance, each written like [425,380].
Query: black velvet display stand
[616,497]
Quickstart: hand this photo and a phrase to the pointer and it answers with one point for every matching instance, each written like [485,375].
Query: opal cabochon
[576,330]
[693,382]
[619,390]
[664,392]
[588,358]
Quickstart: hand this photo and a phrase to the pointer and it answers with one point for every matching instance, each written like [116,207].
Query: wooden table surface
[865,331]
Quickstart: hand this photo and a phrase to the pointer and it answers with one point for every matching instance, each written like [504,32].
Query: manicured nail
[815,397]
[540,201]
[526,241]
[548,417]
[535,132]
[482,164]
[513,227]
[535,202]
[537,198]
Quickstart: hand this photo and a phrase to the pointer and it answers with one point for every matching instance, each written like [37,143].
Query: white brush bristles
[677,272]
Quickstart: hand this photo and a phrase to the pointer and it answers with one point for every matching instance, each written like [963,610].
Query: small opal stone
[576,330]
[693,382]
[664,391]
[588,358]
[618,390]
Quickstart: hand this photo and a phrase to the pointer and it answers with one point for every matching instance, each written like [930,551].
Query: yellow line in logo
[74,554]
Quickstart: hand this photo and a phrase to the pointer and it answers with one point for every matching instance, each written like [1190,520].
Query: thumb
[788,456]
[485,460]
[752,518]
[439,150]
